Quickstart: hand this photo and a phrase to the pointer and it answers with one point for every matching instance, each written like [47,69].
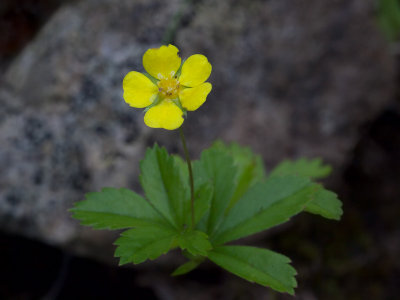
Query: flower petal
[193,98]
[164,115]
[195,70]
[162,62]
[139,91]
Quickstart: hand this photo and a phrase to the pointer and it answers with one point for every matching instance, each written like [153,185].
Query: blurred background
[303,78]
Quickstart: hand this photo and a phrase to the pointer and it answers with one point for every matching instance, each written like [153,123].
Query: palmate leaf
[326,204]
[138,244]
[195,242]
[313,168]
[202,201]
[162,182]
[250,168]
[149,242]
[203,190]
[187,267]
[115,209]
[218,167]
[265,205]
[233,199]
[257,265]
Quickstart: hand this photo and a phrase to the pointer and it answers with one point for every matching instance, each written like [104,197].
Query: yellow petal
[195,70]
[193,98]
[162,62]
[139,91]
[164,115]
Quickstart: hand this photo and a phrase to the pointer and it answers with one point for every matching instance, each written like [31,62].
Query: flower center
[168,87]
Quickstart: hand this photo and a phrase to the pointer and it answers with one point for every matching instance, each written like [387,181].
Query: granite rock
[291,78]
[65,129]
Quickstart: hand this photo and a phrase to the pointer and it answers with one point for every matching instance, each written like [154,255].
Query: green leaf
[265,205]
[203,186]
[187,267]
[181,164]
[164,186]
[250,168]
[302,167]
[257,265]
[138,244]
[326,204]
[202,200]
[389,18]
[203,189]
[218,166]
[195,242]
[115,209]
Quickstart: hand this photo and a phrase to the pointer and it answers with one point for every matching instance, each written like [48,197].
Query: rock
[65,129]
[289,79]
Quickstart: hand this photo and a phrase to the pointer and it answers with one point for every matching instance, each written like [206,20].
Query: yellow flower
[170,89]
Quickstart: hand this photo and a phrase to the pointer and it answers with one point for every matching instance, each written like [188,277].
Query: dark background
[290,79]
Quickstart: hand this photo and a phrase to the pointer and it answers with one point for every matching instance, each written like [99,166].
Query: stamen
[168,88]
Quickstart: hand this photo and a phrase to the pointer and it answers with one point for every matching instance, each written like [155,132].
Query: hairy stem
[191,182]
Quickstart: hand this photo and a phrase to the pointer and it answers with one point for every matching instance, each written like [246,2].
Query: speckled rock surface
[289,79]
[64,127]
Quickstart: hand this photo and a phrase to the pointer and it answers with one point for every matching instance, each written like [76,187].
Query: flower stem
[191,182]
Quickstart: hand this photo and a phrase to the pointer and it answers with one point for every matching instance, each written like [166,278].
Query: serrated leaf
[164,186]
[326,204]
[250,168]
[202,181]
[202,200]
[187,267]
[257,265]
[203,189]
[139,244]
[218,166]
[195,242]
[313,168]
[265,205]
[115,209]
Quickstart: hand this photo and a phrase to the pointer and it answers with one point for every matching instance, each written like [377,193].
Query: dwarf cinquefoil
[223,196]
[170,89]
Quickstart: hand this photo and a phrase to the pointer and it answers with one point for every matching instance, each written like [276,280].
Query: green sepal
[178,73]
[153,79]
[156,101]
[258,265]
[179,104]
